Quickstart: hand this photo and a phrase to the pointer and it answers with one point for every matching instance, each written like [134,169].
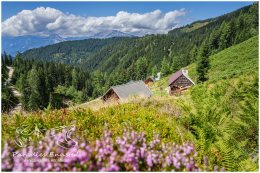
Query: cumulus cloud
[45,21]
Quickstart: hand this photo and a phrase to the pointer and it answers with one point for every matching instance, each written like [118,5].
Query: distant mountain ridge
[12,45]
[109,34]
[102,35]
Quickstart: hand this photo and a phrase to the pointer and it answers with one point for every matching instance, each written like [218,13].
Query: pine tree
[214,41]
[74,76]
[34,83]
[98,83]
[141,68]
[193,53]
[154,71]
[225,37]
[203,64]
[165,67]
[25,91]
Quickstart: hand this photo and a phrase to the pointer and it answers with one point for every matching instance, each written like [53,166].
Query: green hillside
[180,46]
[72,52]
[74,72]
[241,59]
[194,26]
[94,65]
[219,116]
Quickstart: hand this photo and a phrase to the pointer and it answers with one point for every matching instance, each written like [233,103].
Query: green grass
[150,116]
[238,60]
[224,118]
[194,26]
[241,59]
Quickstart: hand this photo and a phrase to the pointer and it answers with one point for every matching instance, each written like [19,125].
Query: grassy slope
[195,26]
[225,108]
[211,115]
[235,62]
[241,59]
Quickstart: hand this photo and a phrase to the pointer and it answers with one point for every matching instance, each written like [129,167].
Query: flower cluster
[129,152]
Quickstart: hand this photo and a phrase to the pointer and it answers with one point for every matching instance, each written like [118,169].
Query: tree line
[44,84]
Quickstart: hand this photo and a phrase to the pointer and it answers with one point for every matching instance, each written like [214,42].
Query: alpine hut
[125,91]
[149,80]
[179,81]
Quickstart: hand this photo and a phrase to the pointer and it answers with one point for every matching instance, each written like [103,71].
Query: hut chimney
[185,72]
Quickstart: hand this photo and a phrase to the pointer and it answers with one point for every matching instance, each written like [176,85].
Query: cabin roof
[150,77]
[176,75]
[131,88]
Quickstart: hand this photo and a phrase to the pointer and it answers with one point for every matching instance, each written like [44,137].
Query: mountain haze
[12,45]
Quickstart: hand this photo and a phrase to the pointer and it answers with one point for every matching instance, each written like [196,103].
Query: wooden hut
[149,80]
[125,91]
[179,81]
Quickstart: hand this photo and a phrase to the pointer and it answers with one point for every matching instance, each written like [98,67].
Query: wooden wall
[181,82]
[111,96]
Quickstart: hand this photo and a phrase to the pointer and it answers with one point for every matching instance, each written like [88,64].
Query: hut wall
[148,81]
[111,96]
[181,82]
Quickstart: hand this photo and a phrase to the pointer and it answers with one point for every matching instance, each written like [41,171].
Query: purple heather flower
[128,152]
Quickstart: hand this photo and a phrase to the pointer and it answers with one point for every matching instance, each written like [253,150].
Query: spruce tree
[141,68]
[154,71]
[225,37]
[165,67]
[203,63]
[35,84]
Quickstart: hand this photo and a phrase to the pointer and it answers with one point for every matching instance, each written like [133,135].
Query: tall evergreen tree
[225,37]
[165,67]
[75,79]
[203,63]
[35,84]
[154,71]
[25,91]
[141,68]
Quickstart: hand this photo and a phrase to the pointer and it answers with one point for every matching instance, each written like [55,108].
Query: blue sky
[193,11]
[198,10]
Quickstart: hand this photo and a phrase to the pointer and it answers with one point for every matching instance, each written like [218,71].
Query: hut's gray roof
[132,88]
[176,75]
[150,77]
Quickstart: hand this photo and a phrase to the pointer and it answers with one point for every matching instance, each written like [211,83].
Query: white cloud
[45,21]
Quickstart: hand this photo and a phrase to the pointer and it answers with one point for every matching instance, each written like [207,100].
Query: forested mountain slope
[180,47]
[222,113]
[219,116]
[239,60]
[71,52]
[103,63]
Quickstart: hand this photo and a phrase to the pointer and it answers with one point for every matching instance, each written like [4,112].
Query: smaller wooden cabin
[179,81]
[125,91]
[149,80]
